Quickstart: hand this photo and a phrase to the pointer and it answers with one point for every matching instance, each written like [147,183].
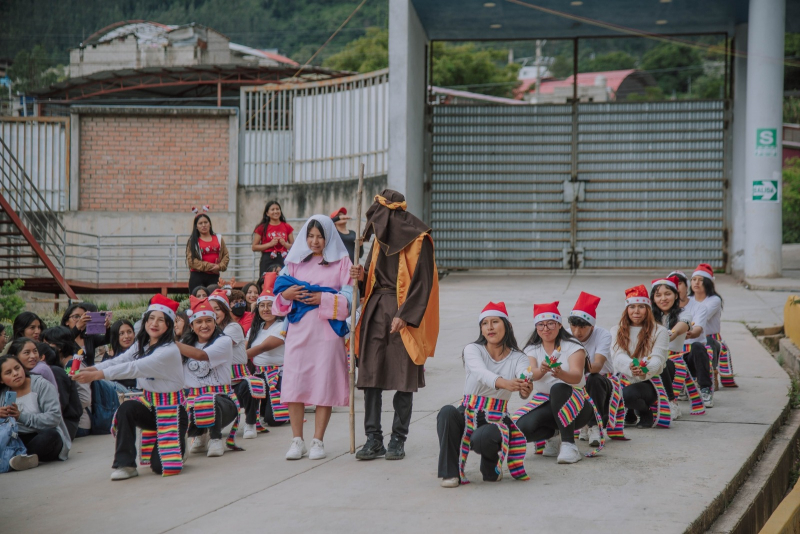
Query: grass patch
[794,392]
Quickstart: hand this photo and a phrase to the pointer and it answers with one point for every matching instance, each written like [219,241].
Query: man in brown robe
[399,320]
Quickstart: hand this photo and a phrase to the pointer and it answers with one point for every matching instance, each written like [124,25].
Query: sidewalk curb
[761,482]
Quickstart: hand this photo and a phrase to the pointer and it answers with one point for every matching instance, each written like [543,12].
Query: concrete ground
[660,481]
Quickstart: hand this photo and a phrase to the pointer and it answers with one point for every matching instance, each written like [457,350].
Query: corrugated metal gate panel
[497,185]
[654,184]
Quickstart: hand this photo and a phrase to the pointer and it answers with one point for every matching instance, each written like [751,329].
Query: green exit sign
[766,190]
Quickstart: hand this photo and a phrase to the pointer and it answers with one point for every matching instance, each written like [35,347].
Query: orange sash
[420,343]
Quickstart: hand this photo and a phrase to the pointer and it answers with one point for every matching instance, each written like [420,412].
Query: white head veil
[334,247]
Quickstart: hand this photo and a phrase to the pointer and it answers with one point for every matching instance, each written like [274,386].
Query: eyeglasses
[75,316]
[547,325]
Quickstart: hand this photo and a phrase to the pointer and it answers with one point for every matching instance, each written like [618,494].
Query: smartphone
[9,398]
[97,323]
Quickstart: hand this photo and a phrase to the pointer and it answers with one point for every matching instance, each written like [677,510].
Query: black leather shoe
[372,449]
[396,450]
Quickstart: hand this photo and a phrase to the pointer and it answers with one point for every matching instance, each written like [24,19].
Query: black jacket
[71,409]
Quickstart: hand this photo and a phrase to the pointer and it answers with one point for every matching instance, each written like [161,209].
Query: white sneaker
[200,443]
[674,410]
[297,449]
[595,437]
[124,473]
[250,431]
[216,447]
[708,397]
[569,454]
[317,450]
[450,482]
[584,434]
[683,396]
[23,462]
[551,447]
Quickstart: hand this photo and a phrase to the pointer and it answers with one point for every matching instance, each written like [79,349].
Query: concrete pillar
[738,191]
[763,138]
[407,64]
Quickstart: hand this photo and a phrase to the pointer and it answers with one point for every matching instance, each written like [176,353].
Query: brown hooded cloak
[383,359]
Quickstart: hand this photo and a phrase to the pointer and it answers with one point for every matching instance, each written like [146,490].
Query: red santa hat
[494,310]
[671,281]
[546,312]
[166,306]
[266,291]
[680,274]
[221,295]
[704,270]
[586,308]
[200,308]
[637,295]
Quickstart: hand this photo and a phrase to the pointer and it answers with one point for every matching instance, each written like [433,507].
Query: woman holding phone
[36,408]
[76,318]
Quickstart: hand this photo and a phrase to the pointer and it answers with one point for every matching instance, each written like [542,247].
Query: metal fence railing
[314,131]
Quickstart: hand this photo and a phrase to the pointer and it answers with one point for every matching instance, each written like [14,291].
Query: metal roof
[531,19]
[171,82]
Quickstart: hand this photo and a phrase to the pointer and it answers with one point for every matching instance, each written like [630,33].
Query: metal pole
[763,133]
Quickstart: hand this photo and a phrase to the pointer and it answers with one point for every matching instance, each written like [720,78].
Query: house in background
[608,86]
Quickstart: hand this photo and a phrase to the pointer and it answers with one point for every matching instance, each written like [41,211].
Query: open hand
[310,298]
[293,293]
[86,376]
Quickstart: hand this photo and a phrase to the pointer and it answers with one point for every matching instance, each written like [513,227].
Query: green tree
[707,87]
[562,66]
[791,201]
[672,66]
[650,94]
[610,61]
[11,304]
[31,70]
[464,66]
[365,54]
[480,71]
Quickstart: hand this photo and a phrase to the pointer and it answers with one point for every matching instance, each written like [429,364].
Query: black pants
[542,423]
[268,261]
[132,414]
[224,414]
[46,444]
[486,441]
[699,365]
[667,376]
[639,397]
[196,278]
[373,401]
[716,347]
[266,406]
[599,389]
[247,402]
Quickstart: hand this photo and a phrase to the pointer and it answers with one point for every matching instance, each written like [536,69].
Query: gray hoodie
[49,416]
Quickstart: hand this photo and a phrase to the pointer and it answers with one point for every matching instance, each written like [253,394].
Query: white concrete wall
[407,65]
[738,189]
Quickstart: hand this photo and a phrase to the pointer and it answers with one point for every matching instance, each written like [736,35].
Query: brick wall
[153,163]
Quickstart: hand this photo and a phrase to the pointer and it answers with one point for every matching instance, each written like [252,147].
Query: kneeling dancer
[154,360]
[639,354]
[495,367]
[210,401]
[399,323]
[248,389]
[560,403]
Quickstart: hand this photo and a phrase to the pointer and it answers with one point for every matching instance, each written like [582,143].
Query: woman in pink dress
[314,291]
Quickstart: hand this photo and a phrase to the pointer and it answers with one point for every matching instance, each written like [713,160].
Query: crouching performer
[560,403]
[155,361]
[495,367]
[210,400]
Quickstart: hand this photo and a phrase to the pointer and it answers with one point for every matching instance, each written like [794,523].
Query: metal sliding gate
[606,185]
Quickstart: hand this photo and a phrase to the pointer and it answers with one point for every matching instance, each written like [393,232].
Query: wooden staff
[354,307]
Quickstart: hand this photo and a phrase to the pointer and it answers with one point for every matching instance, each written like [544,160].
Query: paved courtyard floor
[660,481]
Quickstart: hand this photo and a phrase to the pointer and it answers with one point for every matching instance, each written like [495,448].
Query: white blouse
[562,355]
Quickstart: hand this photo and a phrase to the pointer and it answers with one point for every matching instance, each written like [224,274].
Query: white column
[407,63]
[763,138]
[736,222]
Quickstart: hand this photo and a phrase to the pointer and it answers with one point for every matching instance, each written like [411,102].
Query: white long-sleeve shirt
[713,306]
[655,361]
[561,354]
[699,315]
[216,371]
[160,372]
[483,371]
